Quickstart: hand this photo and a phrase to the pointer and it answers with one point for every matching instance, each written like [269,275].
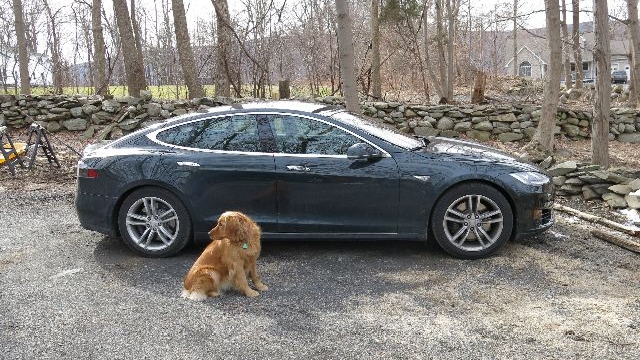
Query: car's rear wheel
[472,220]
[154,223]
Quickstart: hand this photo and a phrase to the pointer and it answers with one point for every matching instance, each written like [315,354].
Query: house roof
[530,51]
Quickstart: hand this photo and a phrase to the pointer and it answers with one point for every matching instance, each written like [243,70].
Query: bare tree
[376,87]
[515,37]
[543,139]
[185,52]
[134,68]
[442,62]
[602,96]
[577,51]
[137,36]
[565,46]
[99,55]
[347,68]
[23,56]
[56,61]
[225,71]
[634,29]
[453,7]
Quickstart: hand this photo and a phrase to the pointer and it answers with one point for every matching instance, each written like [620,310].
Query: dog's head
[235,226]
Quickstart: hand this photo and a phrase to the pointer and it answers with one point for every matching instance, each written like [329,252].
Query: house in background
[39,69]
[533,56]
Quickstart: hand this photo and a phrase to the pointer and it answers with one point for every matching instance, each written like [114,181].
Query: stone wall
[112,117]
[504,122]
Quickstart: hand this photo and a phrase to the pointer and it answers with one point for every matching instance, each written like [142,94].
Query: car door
[220,165]
[320,190]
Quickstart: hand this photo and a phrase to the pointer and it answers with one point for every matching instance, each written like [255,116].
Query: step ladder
[11,152]
[41,141]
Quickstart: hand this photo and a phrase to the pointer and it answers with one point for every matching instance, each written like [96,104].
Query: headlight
[531,178]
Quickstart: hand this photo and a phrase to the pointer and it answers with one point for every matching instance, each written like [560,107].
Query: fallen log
[618,240]
[599,220]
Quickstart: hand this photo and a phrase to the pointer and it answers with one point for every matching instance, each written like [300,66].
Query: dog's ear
[235,229]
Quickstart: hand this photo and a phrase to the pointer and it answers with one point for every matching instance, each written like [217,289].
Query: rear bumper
[95,213]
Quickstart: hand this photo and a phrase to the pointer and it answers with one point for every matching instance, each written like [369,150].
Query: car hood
[459,150]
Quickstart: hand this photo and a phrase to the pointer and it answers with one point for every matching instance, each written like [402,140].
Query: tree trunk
[565,45]
[376,87]
[138,41]
[602,96]
[347,67]
[427,60]
[515,38]
[56,65]
[284,90]
[477,95]
[634,29]
[99,49]
[223,59]
[452,16]
[185,52]
[543,138]
[133,67]
[442,62]
[23,55]
[577,52]
[427,51]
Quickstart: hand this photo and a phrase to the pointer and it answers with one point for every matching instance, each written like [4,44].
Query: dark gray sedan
[306,171]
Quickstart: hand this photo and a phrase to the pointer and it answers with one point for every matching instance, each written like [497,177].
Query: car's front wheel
[472,220]
[154,223]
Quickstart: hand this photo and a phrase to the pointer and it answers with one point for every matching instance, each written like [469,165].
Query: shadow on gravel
[293,269]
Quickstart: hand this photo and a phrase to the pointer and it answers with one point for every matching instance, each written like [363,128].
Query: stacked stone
[620,188]
[94,114]
[505,123]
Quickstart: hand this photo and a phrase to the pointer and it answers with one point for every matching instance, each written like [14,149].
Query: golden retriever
[227,260]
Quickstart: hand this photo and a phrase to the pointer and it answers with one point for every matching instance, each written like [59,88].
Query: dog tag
[245,246]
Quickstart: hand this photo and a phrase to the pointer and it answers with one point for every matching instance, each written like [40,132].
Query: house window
[585,66]
[525,69]
[573,67]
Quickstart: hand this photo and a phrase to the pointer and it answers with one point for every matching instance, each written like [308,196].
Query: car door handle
[188,163]
[297,168]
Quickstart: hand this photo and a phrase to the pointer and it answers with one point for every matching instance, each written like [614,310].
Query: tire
[153,222]
[472,234]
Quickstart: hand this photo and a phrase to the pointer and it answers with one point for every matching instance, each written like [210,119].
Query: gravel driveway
[67,293]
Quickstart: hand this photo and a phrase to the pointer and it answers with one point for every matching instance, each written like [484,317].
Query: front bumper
[535,212]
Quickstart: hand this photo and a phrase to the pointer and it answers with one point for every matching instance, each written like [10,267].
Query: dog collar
[245,246]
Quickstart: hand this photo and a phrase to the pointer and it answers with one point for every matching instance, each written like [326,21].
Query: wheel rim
[152,223]
[473,223]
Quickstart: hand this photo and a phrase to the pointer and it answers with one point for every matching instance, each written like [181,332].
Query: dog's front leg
[255,277]
[240,281]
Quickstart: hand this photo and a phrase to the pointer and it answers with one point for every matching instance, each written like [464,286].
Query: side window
[232,133]
[297,135]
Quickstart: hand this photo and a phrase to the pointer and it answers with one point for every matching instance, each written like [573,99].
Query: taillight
[85,171]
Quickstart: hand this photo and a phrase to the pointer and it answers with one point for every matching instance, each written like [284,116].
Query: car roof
[287,105]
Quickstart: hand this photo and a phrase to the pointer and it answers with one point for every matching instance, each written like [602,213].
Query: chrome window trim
[153,136]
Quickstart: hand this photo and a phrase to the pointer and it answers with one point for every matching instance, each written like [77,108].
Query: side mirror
[362,151]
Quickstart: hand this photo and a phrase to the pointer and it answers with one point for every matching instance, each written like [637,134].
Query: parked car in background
[307,171]
[619,77]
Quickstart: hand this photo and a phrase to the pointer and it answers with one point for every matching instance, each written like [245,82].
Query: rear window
[231,133]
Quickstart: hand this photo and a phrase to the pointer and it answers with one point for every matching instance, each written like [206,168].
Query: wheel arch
[501,188]
[125,192]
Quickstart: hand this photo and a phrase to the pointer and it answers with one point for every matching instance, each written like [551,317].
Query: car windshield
[378,130]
